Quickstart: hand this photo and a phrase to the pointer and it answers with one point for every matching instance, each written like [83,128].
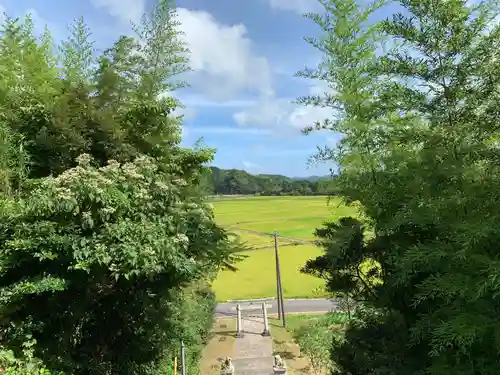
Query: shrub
[96,266]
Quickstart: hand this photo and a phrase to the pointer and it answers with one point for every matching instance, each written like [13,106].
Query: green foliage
[163,52]
[419,153]
[106,107]
[13,161]
[101,250]
[315,340]
[10,365]
[315,343]
[76,53]
[345,255]
[106,245]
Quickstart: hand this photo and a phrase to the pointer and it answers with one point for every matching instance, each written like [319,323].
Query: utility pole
[278,276]
[183,359]
[278,289]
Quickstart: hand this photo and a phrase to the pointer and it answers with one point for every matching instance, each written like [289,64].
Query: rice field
[293,218]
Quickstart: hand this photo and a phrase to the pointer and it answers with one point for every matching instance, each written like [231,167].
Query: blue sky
[243,55]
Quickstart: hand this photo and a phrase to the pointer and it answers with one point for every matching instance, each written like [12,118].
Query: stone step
[253,353]
[257,365]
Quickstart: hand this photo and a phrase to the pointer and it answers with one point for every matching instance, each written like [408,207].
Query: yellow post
[175,366]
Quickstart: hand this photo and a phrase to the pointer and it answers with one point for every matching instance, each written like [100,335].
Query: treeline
[234,181]
[107,249]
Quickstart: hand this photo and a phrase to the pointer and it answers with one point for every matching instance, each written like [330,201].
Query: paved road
[291,306]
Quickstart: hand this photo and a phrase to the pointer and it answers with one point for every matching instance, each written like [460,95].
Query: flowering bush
[94,262]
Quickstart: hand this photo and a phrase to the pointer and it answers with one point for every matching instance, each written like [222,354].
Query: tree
[345,266]
[164,53]
[77,55]
[89,262]
[13,161]
[107,249]
[84,109]
[419,155]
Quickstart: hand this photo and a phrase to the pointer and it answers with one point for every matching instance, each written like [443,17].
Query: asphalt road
[292,306]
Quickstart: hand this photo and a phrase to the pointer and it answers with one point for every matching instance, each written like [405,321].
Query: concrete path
[253,353]
[292,306]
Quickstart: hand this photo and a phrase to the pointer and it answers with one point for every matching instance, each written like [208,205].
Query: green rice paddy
[291,217]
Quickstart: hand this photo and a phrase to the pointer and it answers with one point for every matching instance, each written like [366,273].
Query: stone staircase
[253,353]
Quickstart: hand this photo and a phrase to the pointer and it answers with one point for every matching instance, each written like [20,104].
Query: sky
[243,56]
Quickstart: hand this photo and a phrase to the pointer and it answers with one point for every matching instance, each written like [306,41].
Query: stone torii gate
[253,353]
[252,307]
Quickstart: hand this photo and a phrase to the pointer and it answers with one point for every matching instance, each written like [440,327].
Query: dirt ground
[285,346]
[219,346]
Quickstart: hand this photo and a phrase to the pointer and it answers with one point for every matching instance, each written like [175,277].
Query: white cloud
[333,140]
[189,113]
[125,10]
[2,11]
[306,152]
[40,24]
[227,130]
[197,100]
[282,114]
[269,111]
[298,6]
[250,166]
[222,56]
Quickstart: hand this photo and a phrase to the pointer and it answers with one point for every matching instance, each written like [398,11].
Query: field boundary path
[296,240]
[253,353]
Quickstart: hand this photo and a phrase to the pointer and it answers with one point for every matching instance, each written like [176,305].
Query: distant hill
[235,181]
[312,178]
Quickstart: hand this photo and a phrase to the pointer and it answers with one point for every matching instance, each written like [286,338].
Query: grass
[219,346]
[286,346]
[294,217]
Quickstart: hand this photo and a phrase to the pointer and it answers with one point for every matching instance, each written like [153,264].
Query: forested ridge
[235,181]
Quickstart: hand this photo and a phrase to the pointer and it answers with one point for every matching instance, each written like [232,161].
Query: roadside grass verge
[305,343]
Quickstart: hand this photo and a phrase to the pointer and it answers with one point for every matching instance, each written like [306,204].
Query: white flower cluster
[180,182]
[181,239]
[146,162]
[130,170]
[162,186]
[107,210]
[112,166]
[143,194]
[69,175]
[63,193]
[84,160]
